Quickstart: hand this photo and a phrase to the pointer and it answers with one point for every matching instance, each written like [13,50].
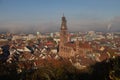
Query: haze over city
[59,39]
[45,15]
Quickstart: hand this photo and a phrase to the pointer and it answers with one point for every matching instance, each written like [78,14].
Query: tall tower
[77,46]
[63,31]
[63,37]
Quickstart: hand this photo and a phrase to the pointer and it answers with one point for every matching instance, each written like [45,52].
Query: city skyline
[45,15]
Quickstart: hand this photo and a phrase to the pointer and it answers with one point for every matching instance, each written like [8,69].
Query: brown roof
[103,56]
[85,45]
[86,61]
[70,44]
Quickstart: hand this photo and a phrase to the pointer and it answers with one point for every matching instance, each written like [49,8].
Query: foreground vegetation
[60,70]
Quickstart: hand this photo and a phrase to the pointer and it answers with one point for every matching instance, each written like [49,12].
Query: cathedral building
[69,49]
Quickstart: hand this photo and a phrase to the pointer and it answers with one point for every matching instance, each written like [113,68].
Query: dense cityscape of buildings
[82,49]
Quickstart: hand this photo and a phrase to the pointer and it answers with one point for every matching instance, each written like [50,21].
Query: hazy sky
[45,15]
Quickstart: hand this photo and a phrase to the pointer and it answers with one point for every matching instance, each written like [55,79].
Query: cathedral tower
[63,31]
[63,37]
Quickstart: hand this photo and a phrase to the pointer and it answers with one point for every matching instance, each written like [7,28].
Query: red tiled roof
[85,45]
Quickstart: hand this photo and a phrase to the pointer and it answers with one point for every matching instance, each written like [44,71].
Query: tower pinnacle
[64,23]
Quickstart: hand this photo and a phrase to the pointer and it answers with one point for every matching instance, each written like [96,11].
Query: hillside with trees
[62,70]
